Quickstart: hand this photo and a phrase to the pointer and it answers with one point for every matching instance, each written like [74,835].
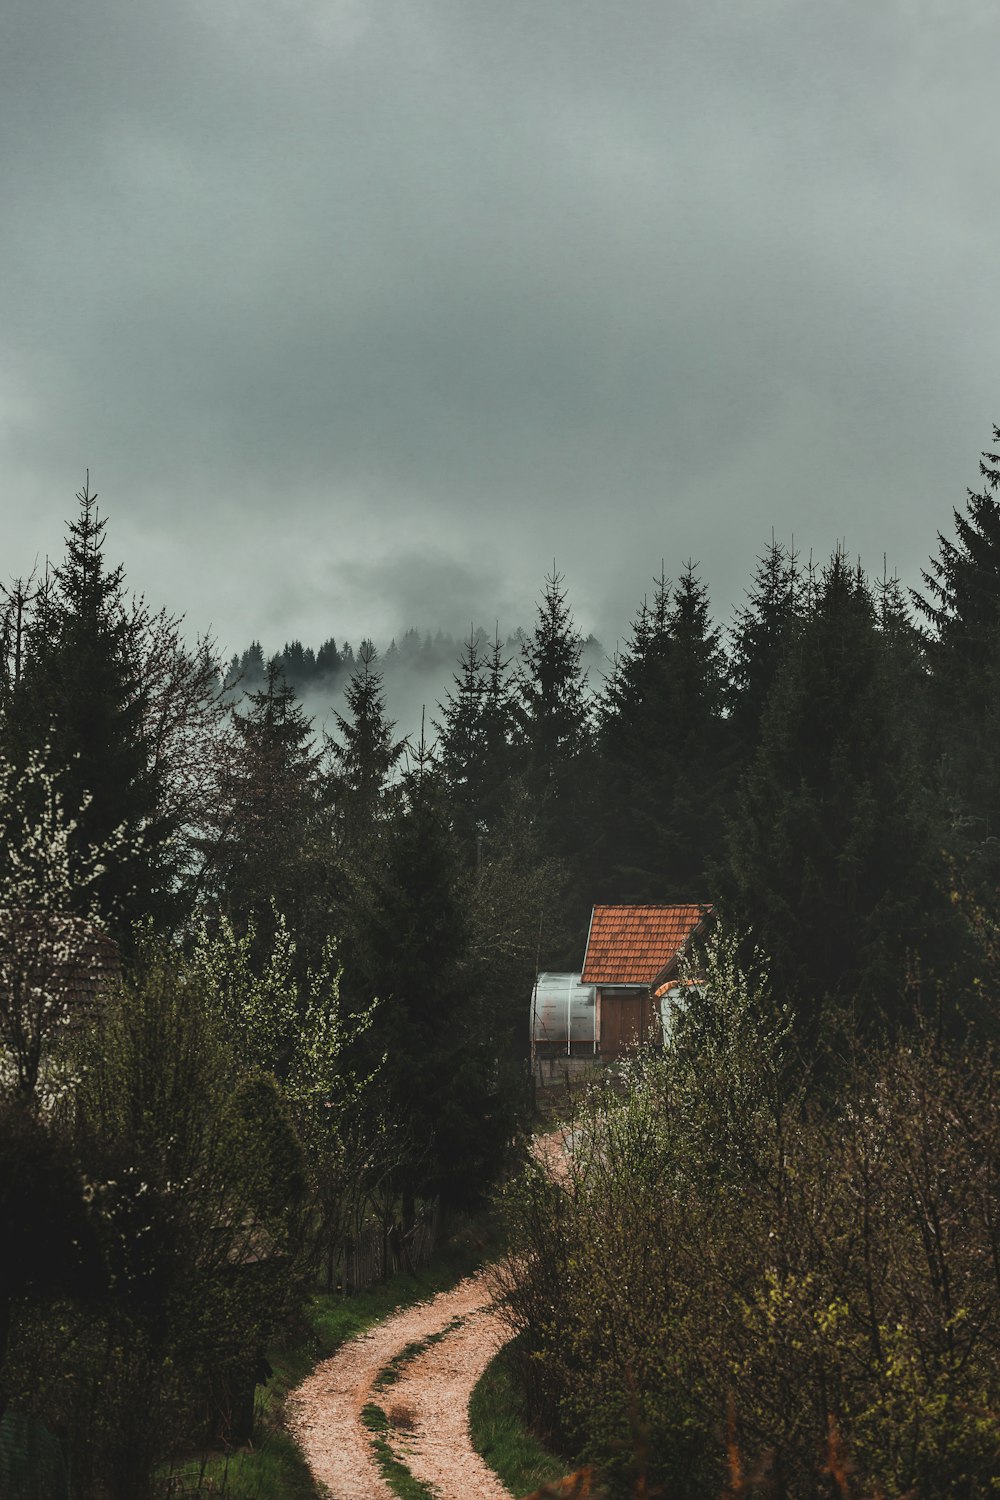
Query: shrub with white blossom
[51,937]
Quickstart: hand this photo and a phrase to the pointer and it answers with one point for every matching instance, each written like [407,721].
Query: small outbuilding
[563,1017]
[627,992]
[632,962]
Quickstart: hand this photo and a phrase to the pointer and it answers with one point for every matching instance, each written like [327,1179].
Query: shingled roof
[637,944]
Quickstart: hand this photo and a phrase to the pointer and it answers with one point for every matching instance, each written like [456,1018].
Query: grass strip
[394,1471]
[391,1372]
[500,1424]
[398,1476]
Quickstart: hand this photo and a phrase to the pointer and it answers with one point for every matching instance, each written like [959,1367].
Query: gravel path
[428,1407]
[430,1401]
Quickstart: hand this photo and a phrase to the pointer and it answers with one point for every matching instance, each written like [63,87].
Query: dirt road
[426,1401]
[427,1404]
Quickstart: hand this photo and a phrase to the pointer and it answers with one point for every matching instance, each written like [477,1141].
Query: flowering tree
[52,943]
[187,730]
[294,1029]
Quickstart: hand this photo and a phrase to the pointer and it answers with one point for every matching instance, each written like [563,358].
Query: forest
[261,983]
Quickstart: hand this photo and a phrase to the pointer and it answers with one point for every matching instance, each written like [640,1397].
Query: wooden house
[633,953]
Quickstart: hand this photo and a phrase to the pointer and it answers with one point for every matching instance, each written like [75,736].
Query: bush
[740,1283]
[190,1191]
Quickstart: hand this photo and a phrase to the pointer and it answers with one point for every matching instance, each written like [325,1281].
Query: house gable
[639,945]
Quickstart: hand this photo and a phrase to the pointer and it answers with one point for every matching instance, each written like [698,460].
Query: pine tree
[964,579]
[760,637]
[365,756]
[328,662]
[661,748]
[80,693]
[414,948]
[271,847]
[553,699]
[962,610]
[474,741]
[498,729]
[298,664]
[253,667]
[831,861]
[905,656]
[460,741]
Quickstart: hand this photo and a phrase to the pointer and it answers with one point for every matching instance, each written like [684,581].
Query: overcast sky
[363,311]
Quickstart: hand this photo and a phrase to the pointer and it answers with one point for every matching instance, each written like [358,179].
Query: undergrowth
[763,1278]
[272,1467]
[500,1423]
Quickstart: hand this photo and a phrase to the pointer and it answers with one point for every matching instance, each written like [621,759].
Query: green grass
[394,1471]
[391,1372]
[274,1469]
[501,1429]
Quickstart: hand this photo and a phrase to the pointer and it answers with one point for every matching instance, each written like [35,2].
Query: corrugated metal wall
[563,1016]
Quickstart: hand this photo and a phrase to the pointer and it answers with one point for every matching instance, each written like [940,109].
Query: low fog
[418,672]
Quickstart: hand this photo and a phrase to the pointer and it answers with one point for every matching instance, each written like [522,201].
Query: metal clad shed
[564,1017]
[632,951]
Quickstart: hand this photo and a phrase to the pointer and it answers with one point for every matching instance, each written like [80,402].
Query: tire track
[431,1397]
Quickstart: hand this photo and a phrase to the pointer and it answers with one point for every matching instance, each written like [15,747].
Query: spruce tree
[553,699]
[364,757]
[661,749]
[460,742]
[552,756]
[474,742]
[328,662]
[271,847]
[497,729]
[298,664]
[963,603]
[414,949]
[962,610]
[831,859]
[907,680]
[80,693]
[759,638]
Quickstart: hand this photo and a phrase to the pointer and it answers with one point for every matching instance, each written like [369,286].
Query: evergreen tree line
[823,771]
[368,911]
[323,673]
[307,1019]
[328,669]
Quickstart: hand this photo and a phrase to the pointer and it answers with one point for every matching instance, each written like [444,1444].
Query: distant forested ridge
[415,657]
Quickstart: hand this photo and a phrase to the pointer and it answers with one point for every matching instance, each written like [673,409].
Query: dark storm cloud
[362,313]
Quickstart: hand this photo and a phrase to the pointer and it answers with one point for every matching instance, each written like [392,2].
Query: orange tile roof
[674,984]
[634,944]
